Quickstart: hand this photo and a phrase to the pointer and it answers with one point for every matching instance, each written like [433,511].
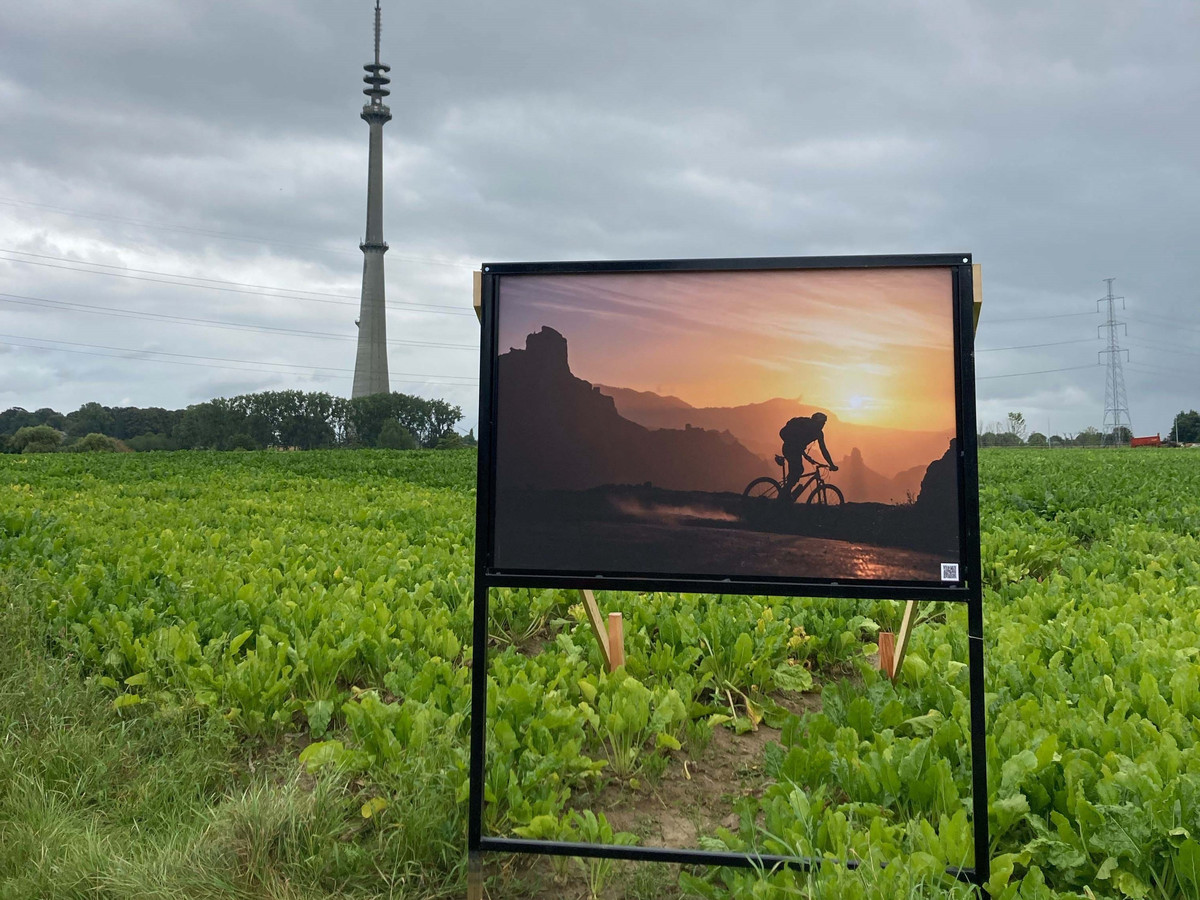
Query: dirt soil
[696,795]
[692,798]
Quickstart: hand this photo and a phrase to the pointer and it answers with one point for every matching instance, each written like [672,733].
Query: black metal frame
[968,590]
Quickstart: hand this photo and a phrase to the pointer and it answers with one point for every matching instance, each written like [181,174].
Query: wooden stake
[906,628]
[977,299]
[616,641]
[596,620]
[474,877]
[477,298]
[887,653]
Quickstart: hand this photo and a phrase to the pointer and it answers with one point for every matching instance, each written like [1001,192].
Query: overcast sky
[220,140]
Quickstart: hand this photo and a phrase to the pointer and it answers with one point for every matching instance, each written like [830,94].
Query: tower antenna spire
[377,19]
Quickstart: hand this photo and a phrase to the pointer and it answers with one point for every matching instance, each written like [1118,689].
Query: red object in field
[1155,441]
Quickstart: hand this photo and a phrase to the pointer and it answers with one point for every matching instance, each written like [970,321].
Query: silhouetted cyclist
[797,434]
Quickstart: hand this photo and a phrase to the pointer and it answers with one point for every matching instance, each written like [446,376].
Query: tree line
[1185,429]
[270,419]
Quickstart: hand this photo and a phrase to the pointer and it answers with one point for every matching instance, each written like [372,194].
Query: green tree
[95,443]
[1037,439]
[130,421]
[51,417]
[243,440]
[426,420]
[394,436]
[15,418]
[211,425]
[366,416]
[36,439]
[90,418]
[1186,427]
[443,417]
[149,442]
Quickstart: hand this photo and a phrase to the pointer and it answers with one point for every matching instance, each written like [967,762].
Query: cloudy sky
[182,184]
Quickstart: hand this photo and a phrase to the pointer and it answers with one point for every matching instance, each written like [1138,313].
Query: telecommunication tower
[370,365]
[1116,405]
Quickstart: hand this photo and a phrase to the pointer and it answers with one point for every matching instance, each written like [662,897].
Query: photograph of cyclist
[797,435]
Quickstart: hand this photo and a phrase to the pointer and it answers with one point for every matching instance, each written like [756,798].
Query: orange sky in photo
[873,346]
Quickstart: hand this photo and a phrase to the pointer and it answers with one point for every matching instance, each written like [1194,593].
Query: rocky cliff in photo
[557,431]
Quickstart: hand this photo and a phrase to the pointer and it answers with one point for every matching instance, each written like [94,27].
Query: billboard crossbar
[763,862]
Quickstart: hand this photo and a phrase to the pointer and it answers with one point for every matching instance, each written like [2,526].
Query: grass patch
[150,803]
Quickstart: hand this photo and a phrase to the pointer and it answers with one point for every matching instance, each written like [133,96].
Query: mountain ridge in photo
[888,451]
[557,431]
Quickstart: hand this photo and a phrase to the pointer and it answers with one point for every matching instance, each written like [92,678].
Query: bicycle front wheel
[826,495]
[764,488]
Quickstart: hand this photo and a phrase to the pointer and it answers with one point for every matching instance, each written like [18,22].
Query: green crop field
[247,675]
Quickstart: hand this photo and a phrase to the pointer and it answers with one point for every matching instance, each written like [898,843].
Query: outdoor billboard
[789,426]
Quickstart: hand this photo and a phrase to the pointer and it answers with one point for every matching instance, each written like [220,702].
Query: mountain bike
[823,493]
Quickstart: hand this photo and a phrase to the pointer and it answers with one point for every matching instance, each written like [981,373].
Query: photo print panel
[797,423]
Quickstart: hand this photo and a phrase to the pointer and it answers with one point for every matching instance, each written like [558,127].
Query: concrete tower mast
[1116,406]
[371,365]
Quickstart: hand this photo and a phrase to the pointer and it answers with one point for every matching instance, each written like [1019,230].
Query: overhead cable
[438,309]
[1039,372]
[141,223]
[72,306]
[1029,346]
[440,379]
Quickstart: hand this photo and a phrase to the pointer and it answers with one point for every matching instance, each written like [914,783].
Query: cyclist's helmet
[820,418]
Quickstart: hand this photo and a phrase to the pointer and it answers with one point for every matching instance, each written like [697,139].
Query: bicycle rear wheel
[764,488]
[826,495]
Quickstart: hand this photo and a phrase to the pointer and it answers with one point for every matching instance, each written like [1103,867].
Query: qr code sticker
[949,571]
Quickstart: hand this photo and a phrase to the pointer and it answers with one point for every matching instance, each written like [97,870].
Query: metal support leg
[979,779]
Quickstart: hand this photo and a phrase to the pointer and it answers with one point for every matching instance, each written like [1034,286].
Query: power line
[72,306]
[439,379]
[1039,372]
[179,362]
[444,310]
[1167,348]
[174,362]
[1142,367]
[1167,322]
[1029,346]
[991,321]
[265,287]
[140,223]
